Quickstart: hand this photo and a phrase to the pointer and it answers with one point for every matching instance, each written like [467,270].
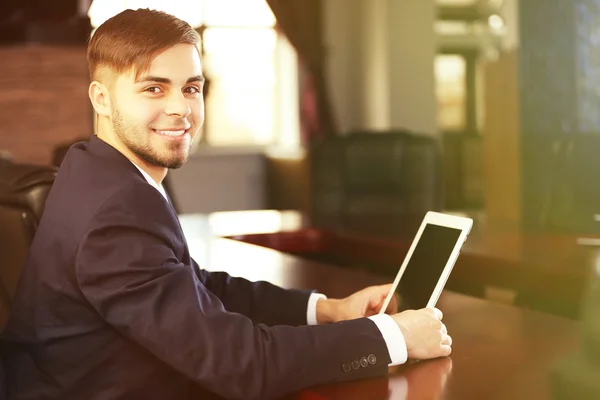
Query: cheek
[197,110]
[146,113]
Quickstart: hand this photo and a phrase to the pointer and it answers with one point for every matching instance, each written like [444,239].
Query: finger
[445,350]
[444,329]
[386,288]
[447,340]
[376,302]
[436,311]
[378,299]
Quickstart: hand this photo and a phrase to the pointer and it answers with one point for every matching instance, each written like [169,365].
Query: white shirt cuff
[393,337]
[311,309]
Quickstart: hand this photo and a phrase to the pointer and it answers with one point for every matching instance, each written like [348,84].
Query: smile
[170,133]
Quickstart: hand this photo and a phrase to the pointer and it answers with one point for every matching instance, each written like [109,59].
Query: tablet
[429,260]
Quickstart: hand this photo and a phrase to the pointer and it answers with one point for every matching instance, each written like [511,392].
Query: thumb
[383,290]
[387,287]
[379,297]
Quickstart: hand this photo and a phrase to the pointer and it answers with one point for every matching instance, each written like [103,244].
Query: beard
[171,156]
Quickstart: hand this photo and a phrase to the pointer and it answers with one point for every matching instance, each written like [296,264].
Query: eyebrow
[150,78]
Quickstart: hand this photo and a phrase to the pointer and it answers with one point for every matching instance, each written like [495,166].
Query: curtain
[301,22]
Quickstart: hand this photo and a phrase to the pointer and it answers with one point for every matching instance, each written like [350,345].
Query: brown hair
[132,38]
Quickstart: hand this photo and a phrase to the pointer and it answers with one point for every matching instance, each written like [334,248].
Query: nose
[177,106]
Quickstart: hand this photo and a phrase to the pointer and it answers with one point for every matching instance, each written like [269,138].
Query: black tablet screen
[426,265]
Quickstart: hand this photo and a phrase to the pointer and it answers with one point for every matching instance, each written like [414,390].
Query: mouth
[173,134]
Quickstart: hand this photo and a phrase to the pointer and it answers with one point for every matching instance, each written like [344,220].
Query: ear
[100,99]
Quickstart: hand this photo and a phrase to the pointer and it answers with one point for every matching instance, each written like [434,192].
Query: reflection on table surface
[418,380]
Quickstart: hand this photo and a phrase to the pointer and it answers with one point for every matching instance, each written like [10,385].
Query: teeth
[172,133]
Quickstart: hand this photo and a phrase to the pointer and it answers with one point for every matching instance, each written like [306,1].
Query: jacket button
[346,367]
[363,362]
[372,359]
[355,364]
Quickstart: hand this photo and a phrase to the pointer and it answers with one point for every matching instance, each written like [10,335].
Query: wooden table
[499,351]
[544,272]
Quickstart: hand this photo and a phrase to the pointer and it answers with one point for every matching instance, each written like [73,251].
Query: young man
[110,304]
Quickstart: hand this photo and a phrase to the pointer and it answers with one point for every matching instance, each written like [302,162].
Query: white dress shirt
[390,331]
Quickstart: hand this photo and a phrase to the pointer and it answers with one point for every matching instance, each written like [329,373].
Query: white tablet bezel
[434,218]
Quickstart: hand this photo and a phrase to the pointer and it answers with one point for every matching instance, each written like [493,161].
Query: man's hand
[424,333]
[363,303]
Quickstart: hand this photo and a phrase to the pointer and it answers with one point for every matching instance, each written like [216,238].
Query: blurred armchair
[375,182]
[23,191]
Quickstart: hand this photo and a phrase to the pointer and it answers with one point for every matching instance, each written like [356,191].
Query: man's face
[158,116]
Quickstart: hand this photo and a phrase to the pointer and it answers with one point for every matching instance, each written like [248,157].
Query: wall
[510,14]
[501,143]
[43,101]
[380,56]
[220,181]
[376,88]
[412,53]
[343,50]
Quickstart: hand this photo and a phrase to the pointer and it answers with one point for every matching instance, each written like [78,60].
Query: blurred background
[361,115]
[324,69]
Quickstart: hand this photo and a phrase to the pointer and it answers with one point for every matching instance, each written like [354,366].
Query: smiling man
[149,102]
[111,305]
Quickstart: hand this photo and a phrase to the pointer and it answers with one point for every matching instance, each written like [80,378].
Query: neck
[157,173]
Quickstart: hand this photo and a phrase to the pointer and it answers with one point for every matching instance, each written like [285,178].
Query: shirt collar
[152,182]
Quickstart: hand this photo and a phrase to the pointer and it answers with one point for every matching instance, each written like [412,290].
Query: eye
[192,90]
[153,89]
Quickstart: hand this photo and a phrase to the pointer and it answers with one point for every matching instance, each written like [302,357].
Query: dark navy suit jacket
[111,306]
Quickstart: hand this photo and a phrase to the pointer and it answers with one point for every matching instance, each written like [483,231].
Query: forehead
[181,60]
[177,64]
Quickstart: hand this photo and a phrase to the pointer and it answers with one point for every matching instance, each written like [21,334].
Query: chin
[175,163]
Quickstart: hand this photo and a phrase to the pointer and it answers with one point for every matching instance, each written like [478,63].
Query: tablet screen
[426,265]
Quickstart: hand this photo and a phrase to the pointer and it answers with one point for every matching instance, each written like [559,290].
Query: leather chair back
[23,192]
[375,182]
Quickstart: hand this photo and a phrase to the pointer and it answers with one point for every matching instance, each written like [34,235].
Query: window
[455,3]
[451,92]
[251,67]
[453,28]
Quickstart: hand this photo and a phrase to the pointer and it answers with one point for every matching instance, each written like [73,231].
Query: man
[110,304]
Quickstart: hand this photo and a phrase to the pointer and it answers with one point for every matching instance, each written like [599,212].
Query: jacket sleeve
[127,270]
[262,302]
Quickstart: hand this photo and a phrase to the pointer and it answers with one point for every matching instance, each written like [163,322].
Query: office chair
[23,191]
